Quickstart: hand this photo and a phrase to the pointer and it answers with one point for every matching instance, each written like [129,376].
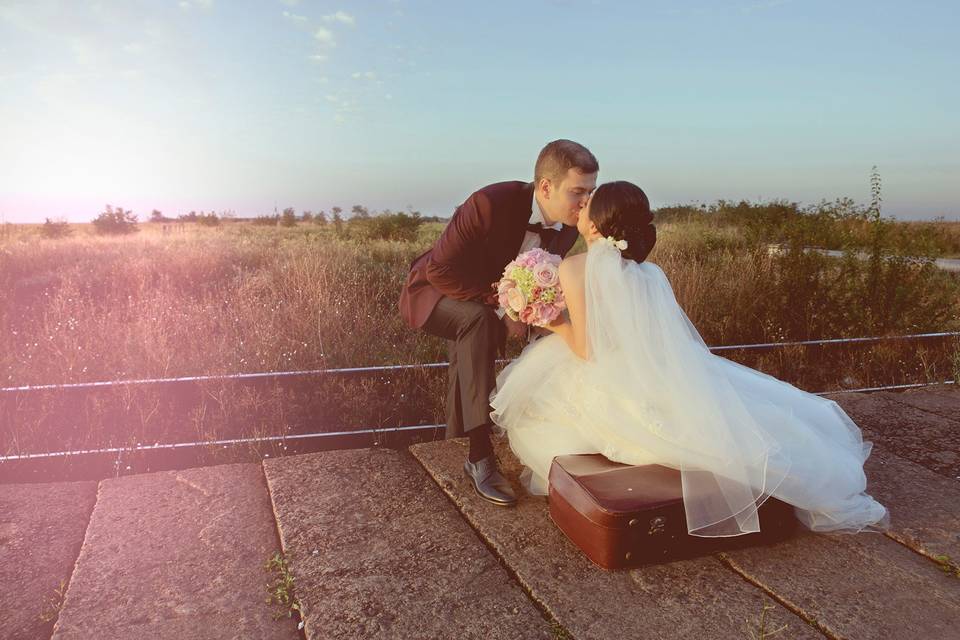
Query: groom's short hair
[560,156]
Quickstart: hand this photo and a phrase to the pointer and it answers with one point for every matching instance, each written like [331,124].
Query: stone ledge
[41,530]
[894,421]
[176,554]
[378,551]
[696,598]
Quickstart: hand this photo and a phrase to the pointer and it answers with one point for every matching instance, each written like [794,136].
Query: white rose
[516,299]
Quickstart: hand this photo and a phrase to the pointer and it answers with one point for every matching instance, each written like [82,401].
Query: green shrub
[208,219]
[267,221]
[55,229]
[386,226]
[289,218]
[115,222]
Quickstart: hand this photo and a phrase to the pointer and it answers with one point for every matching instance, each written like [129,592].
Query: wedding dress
[651,392]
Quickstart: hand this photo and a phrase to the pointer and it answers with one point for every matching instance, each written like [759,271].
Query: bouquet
[529,290]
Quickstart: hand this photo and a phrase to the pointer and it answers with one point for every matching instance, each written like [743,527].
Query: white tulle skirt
[550,402]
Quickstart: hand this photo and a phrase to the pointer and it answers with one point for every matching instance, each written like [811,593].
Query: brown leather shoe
[489,483]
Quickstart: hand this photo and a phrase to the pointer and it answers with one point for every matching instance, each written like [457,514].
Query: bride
[625,374]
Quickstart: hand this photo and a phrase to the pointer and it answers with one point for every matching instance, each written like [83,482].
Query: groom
[450,289]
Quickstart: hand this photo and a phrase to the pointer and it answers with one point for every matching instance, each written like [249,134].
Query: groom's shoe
[488,482]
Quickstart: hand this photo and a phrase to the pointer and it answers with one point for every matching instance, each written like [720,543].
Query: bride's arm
[571,324]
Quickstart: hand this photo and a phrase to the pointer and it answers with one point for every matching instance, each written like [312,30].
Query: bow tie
[546,234]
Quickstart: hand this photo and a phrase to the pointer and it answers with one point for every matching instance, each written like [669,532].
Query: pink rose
[546,274]
[543,313]
[528,315]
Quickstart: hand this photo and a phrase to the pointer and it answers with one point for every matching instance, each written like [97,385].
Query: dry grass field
[185,300]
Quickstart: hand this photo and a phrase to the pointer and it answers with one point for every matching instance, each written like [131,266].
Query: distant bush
[337,221]
[289,218]
[385,226]
[266,221]
[208,219]
[115,222]
[55,228]
[680,213]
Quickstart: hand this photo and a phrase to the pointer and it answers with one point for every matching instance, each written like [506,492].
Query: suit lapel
[518,222]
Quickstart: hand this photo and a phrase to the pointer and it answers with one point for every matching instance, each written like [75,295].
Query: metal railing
[373,431]
[383,430]
[399,367]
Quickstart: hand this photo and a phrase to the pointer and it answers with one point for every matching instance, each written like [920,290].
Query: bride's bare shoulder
[573,267]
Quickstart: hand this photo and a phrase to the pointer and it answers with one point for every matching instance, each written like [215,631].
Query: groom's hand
[515,328]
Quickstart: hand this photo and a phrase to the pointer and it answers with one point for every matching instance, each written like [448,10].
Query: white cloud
[294,17]
[340,16]
[189,4]
[325,37]
[318,57]
[366,75]
[290,3]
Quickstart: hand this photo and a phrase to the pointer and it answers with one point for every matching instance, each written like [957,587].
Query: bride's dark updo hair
[621,210]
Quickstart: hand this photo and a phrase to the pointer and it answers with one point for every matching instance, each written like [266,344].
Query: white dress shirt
[531,239]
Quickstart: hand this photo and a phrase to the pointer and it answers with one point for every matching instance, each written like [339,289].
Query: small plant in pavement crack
[281,589]
[947,565]
[762,631]
[51,607]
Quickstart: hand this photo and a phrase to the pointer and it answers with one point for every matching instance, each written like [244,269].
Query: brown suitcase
[624,515]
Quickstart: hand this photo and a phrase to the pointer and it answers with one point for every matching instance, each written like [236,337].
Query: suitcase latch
[657,525]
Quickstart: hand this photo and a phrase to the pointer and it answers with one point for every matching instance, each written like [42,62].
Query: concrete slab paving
[863,586]
[943,400]
[41,529]
[924,506]
[377,550]
[915,434]
[694,598]
[176,554]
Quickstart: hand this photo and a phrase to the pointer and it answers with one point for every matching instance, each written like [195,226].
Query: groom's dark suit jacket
[484,234]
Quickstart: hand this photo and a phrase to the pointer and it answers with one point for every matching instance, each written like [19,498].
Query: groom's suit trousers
[473,332]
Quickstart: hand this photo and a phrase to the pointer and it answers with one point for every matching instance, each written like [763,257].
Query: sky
[247,106]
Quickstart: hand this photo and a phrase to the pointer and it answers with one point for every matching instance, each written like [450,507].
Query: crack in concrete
[782,600]
[301,612]
[917,547]
[76,561]
[546,612]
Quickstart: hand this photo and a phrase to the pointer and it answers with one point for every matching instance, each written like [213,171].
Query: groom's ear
[544,187]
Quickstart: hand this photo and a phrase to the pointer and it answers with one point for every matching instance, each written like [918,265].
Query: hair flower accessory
[619,244]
